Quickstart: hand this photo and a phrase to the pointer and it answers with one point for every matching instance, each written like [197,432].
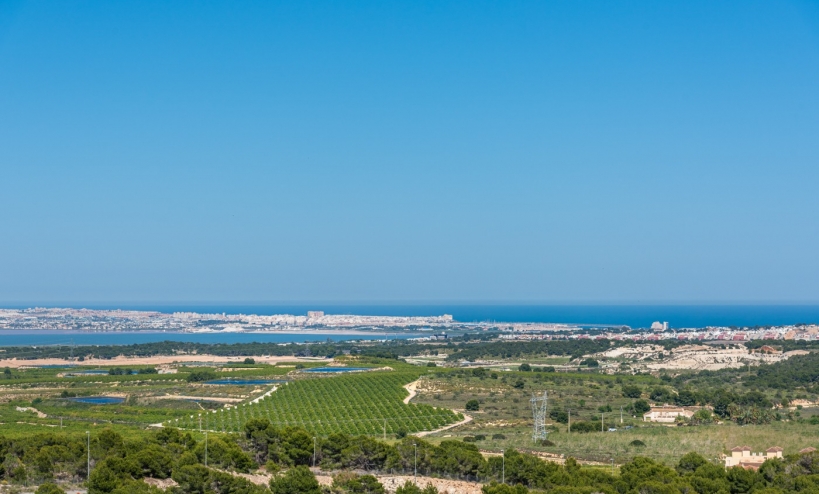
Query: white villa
[743,457]
[667,414]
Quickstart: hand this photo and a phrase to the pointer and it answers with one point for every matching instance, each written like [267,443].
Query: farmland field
[361,403]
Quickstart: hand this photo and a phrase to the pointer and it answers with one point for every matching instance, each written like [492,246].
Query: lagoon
[69,338]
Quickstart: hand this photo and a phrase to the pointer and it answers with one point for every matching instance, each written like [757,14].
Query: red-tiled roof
[809,449]
[774,449]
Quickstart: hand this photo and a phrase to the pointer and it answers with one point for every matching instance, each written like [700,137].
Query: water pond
[243,382]
[98,400]
[95,372]
[336,369]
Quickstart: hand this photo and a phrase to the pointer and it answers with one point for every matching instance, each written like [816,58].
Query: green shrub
[49,488]
[298,480]
[630,391]
[201,375]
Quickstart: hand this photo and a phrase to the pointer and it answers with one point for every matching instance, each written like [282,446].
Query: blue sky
[637,152]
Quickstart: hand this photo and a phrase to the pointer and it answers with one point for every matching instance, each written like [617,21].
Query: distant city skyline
[417,152]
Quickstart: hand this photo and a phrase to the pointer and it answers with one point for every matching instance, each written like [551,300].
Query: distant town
[70,319]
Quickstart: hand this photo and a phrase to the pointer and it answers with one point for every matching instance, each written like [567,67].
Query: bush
[525,367]
[590,362]
[49,488]
[298,480]
[559,416]
[200,376]
[548,368]
[410,488]
[250,361]
[630,391]
[480,437]
[545,442]
[519,384]
[271,466]
[641,407]
[637,443]
[498,437]
[469,439]
[352,483]
[432,364]
[473,406]
[584,426]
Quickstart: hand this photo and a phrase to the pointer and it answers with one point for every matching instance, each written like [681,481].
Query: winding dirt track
[411,387]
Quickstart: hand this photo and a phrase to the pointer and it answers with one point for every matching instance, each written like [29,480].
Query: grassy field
[666,444]
[505,418]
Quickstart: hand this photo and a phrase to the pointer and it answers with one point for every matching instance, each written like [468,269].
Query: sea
[80,338]
[634,316]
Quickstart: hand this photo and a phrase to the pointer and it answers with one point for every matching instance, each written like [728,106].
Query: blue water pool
[244,382]
[99,372]
[98,400]
[336,369]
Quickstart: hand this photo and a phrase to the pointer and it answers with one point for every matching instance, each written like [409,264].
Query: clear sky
[413,151]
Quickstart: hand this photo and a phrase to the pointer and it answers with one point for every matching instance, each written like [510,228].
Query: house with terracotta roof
[807,450]
[741,456]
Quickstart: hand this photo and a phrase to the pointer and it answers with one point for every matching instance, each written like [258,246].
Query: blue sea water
[635,316]
[49,337]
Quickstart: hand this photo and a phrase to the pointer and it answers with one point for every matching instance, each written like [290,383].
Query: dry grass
[666,444]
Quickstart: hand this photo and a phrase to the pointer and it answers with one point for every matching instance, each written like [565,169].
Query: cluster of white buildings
[128,320]
[808,332]
[131,320]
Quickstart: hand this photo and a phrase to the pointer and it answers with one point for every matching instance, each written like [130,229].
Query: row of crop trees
[119,465]
[355,404]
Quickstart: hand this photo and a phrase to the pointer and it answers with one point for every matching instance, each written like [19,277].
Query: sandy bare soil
[696,357]
[411,387]
[154,360]
[390,482]
[393,482]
